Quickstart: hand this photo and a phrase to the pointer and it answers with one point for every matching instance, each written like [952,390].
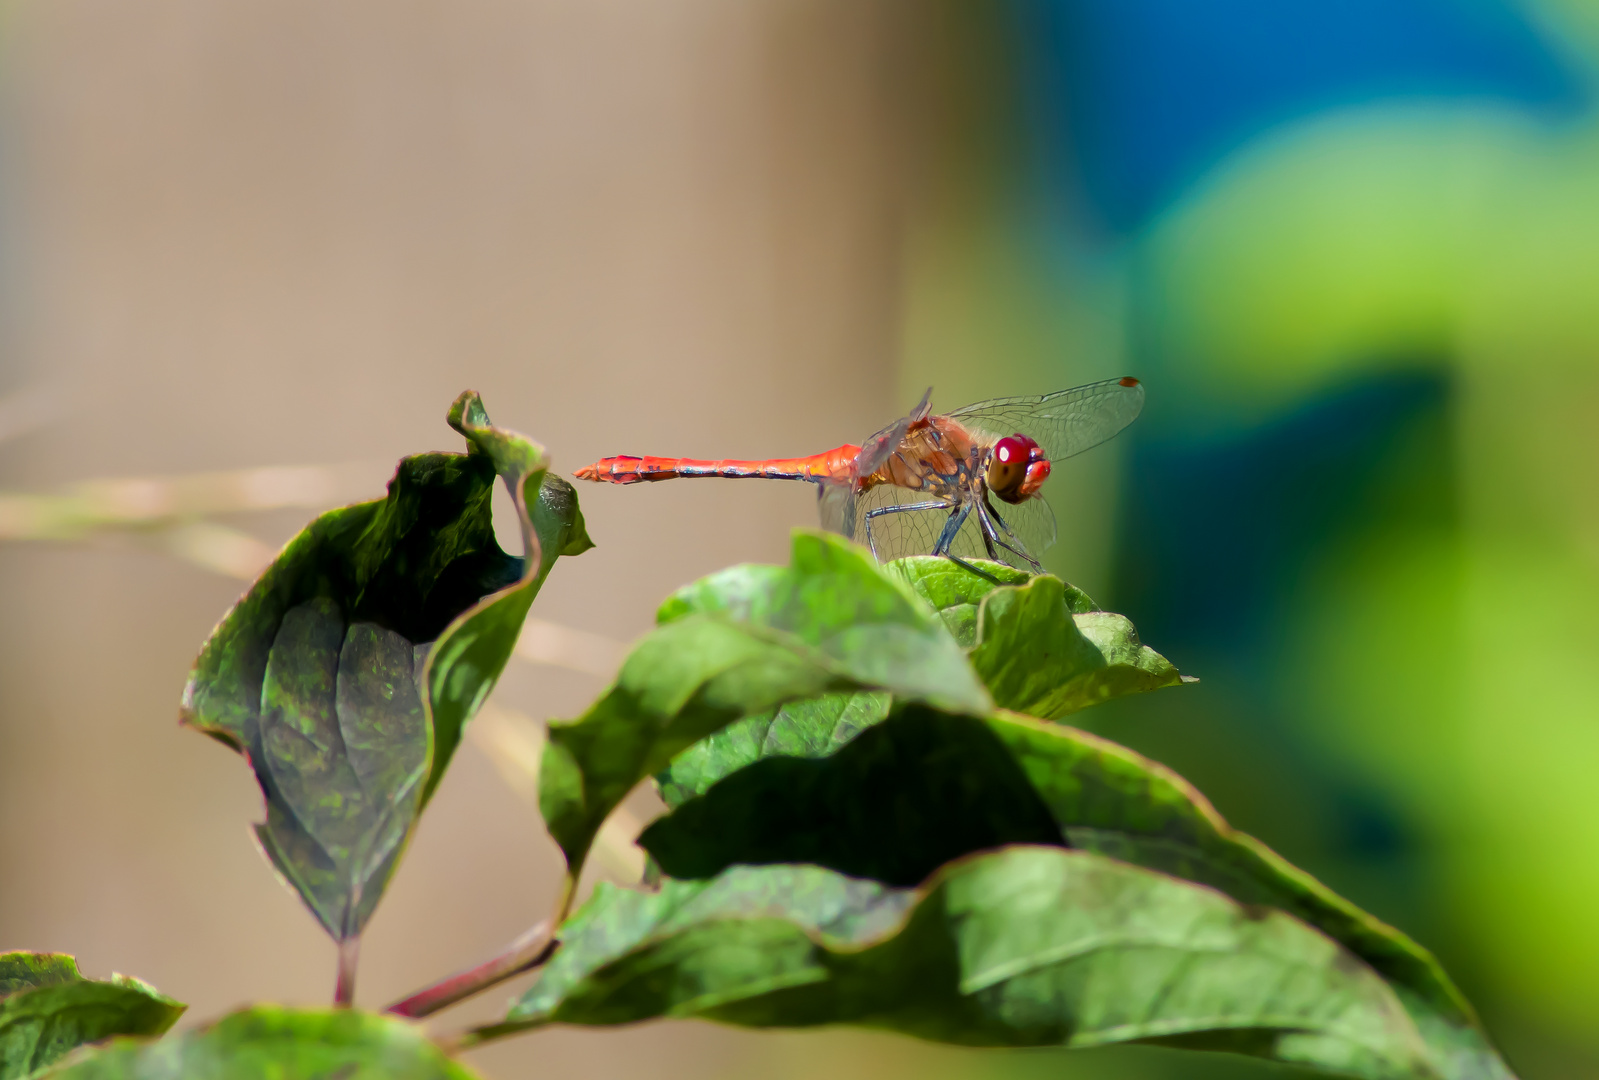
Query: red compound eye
[1007,466]
[1013,448]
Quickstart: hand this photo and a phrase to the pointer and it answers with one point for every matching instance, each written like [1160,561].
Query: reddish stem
[349,957]
[525,953]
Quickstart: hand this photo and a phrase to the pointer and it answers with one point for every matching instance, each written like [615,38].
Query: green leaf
[735,645]
[1118,803]
[27,970]
[815,728]
[835,598]
[1042,646]
[1026,946]
[1038,656]
[473,650]
[686,680]
[956,591]
[894,805]
[347,672]
[925,787]
[269,1042]
[803,901]
[47,1008]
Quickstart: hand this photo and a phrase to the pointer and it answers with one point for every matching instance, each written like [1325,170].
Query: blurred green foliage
[1368,331]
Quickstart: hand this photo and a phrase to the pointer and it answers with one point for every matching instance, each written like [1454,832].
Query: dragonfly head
[1017,468]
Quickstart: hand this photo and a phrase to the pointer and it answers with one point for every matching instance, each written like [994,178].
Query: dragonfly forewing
[876,450]
[1064,423]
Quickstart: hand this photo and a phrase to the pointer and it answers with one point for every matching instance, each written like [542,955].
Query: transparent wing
[1064,423]
[897,533]
[875,451]
[836,504]
[915,532]
[910,532]
[1032,522]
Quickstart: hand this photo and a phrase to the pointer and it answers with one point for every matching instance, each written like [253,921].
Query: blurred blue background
[1350,249]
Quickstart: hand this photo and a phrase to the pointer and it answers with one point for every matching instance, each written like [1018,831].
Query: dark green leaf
[273,1043]
[47,1009]
[1026,946]
[1037,656]
[473,651]
[798,900]
[683,682]
[738,644]
[814,728]
[955,592]
[894,805]
[348,670]
[924,787]
[27,970]
[1115,802]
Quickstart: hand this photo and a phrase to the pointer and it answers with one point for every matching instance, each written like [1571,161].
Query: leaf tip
[468,412]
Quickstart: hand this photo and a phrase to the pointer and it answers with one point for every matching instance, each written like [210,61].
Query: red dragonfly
[922,485]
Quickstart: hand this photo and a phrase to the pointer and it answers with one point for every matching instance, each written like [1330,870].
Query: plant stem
[525,953]
[349,956]
[472,1038]
[563,905]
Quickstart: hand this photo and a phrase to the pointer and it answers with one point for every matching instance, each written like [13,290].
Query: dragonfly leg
[990,535]
[871,541]
[989,517]
[973,567]
[952,528]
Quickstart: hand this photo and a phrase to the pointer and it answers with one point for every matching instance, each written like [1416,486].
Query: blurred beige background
[242,233]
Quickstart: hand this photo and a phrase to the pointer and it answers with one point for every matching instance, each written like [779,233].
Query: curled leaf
[47,1008]
[1025,946]
[347,672]
[956,591]
[925,787]
[1038,656]
[816,727]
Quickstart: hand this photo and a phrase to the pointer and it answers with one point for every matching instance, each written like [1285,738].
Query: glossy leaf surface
[898,802]
[836,599]
[1041,646]
[1027,946]
[347,672]
[956,593]
[1038,656]
[1115,802]
[47,1009]
[803,729]
[736,645]
[925,787]
[273,1043]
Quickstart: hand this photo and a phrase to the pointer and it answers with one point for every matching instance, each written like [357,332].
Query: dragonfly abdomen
[830,465]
